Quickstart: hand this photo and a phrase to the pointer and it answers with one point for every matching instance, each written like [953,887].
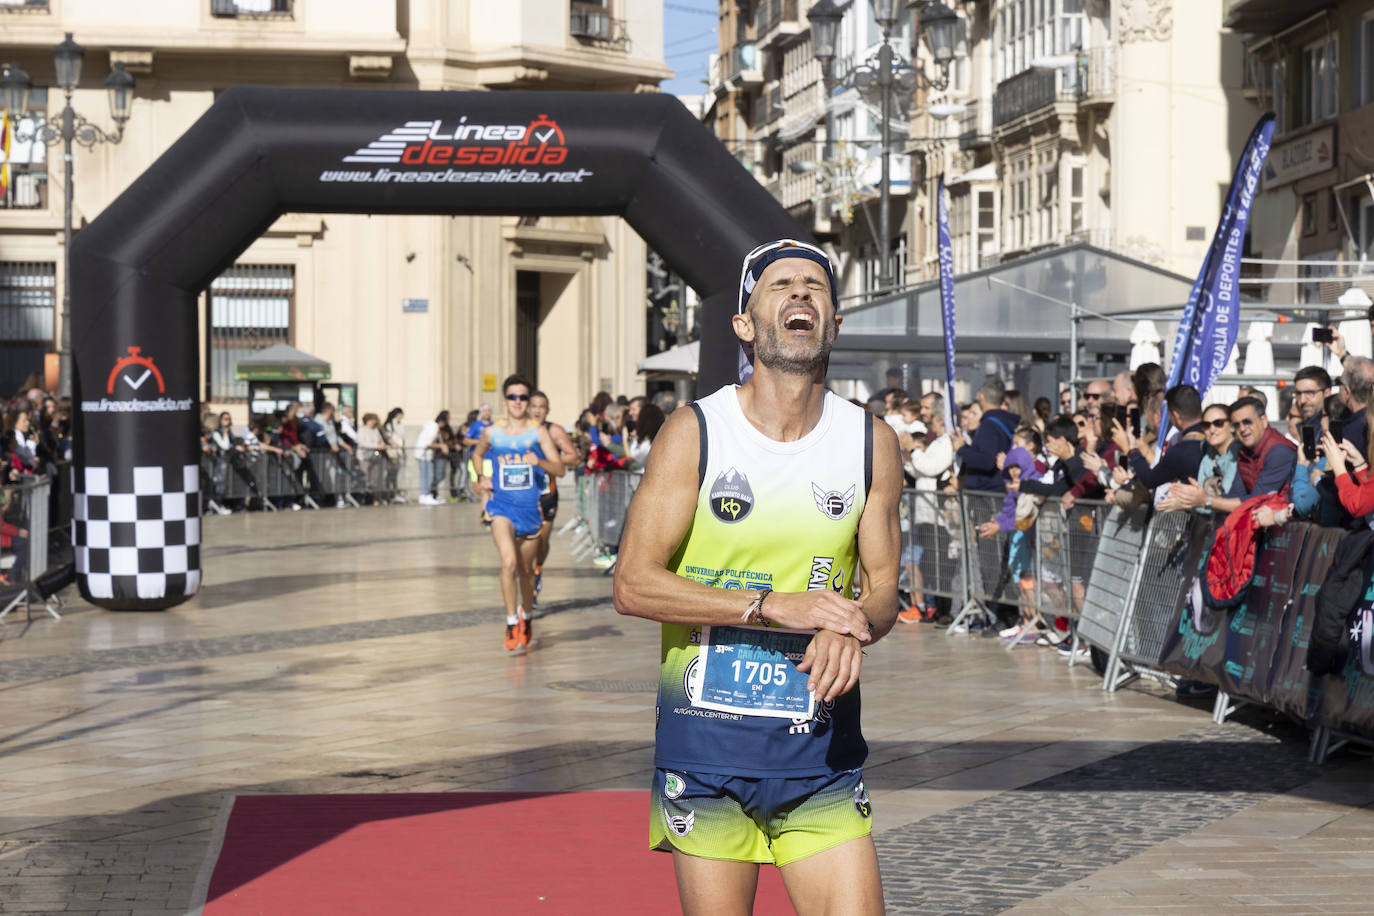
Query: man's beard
[771,351]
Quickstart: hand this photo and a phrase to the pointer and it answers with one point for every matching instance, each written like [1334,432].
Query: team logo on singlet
[833,504]
[732,499]
[673,786]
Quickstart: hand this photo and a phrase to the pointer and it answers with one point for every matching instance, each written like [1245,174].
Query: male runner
[548,497]
[759,505]
[517,446]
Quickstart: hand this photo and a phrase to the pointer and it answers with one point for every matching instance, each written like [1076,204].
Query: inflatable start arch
[257,153]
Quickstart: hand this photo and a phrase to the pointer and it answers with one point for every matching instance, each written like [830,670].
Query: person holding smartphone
[1179,461]
[1265,464]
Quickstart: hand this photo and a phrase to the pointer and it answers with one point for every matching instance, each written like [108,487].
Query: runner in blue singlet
[517,448]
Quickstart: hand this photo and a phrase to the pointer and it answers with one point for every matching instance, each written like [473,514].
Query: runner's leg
[503,533]
[840,881]
[529,549]
[711,887]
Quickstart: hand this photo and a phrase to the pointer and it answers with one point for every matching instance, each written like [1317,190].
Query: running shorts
[548,505]
[741,819]
[525,518]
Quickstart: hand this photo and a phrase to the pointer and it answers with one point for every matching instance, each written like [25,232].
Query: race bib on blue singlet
[516,476]
[752,671]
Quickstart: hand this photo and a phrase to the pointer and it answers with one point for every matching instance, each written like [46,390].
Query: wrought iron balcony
[743,66]
[768,108]
[1024,93]
[975,125]
[594,25]
[776,18]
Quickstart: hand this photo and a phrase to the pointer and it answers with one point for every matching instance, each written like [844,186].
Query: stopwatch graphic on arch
[135,370]
[542,130]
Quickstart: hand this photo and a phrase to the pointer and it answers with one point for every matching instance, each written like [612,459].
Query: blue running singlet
[515,486]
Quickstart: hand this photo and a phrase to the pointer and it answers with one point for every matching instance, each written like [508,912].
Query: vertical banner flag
[1207,330]
[4,151]
[947,303]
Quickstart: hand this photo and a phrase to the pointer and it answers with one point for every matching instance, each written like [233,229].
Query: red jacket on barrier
[1231,563]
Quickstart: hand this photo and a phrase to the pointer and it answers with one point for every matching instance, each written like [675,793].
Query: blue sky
[689,37]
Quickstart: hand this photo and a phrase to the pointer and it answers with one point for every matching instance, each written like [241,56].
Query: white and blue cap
[755,263]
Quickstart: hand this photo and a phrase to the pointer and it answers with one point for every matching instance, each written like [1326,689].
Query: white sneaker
[339,503]
[223,511]
[1011,632]
[959,628]
[398,498]
[295,507]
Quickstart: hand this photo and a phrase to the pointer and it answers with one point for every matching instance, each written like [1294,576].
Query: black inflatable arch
[257,153]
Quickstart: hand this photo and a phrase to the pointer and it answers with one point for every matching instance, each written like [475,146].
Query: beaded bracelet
[754,615]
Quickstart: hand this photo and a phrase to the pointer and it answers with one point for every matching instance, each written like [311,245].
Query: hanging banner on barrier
[1207,331]
[947,301]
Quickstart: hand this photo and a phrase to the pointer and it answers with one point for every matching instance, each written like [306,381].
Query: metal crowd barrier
[601,500]
[24,538]
[932,546]
[271,481]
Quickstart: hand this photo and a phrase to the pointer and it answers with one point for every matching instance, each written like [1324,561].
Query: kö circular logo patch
[732,499]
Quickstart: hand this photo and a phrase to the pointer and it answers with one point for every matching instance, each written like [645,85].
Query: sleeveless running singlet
[779,515]
[514,488]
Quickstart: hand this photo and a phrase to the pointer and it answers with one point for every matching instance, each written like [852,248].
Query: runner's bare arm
[479,452]
[833,661]
[553,464]
[658,519]
[563,444]
[880,533]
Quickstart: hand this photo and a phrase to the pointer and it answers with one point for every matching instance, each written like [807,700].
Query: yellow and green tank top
[779,515]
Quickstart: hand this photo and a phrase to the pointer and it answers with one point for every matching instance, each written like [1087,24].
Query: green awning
[281,363]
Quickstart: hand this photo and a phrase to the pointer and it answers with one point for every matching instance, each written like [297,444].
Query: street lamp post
[70,128]
[941,28]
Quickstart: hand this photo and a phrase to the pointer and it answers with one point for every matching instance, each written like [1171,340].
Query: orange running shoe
[910,615]
[513,637]
[523,631]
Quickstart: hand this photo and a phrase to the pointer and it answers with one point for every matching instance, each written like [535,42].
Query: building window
[987,227]
[1317,82]
[1309,214]
[26,169]
[250,308]
[27,293]
[1331,211]
[248,9]
[1362,63]
[1025,30]
[1076,216]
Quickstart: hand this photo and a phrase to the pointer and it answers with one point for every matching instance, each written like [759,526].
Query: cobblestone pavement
[359,652]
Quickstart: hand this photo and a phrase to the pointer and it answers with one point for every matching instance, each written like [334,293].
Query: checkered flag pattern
[136,531]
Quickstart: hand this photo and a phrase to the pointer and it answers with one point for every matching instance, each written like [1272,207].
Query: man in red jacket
[1266,461]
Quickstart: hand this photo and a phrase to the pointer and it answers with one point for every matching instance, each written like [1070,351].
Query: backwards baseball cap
[757,261]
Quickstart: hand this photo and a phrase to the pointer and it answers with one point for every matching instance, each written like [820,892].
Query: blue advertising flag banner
[947,302]
[1207,330]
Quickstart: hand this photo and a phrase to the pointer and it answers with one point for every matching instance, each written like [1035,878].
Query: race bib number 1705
[752,671]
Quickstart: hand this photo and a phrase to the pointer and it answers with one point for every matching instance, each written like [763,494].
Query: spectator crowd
[1126,441]
[302,457]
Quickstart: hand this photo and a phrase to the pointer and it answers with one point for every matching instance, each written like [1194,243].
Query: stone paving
[347,651]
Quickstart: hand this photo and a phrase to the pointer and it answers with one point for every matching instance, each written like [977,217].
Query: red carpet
[566,853]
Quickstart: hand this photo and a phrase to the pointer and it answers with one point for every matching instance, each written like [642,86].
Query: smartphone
[1323,335]
[1135,421]
[1122,461]
[1337,428]
[1123,415]
[1309,443]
